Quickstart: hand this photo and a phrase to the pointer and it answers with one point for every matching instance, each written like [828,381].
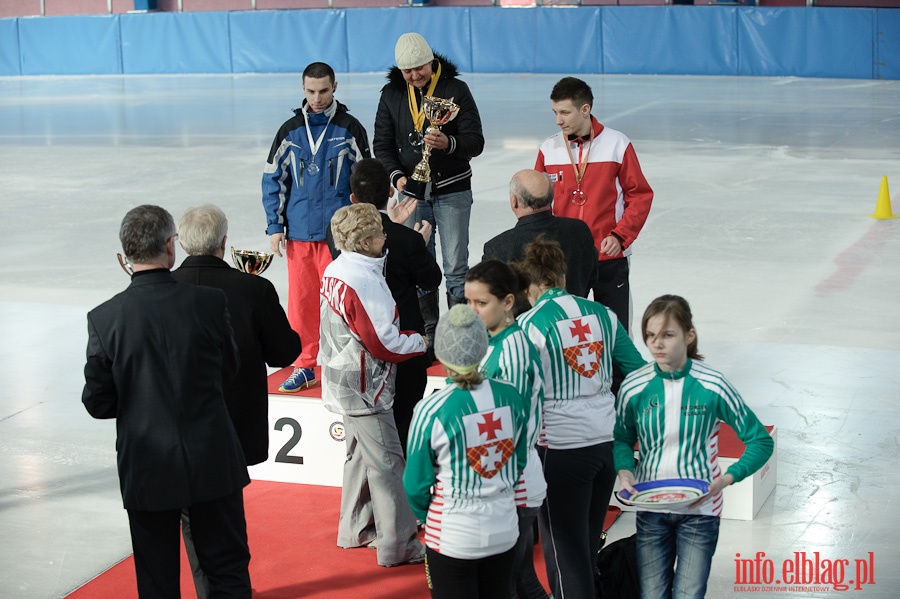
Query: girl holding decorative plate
[672,409]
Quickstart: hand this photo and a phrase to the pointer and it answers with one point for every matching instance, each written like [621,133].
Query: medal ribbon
[418,114]
[581,167]
[314,145]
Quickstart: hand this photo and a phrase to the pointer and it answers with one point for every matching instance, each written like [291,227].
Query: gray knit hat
[412,51]
[460,339]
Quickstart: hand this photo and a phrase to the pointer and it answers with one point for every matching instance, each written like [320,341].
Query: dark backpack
[617,573]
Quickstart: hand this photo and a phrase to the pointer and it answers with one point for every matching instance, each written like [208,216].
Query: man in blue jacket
[306,179]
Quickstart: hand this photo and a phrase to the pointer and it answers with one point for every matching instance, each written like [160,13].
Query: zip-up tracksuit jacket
[298,203]
[466,451]
[511,357]
[361,340]
[618,195]
[675,416]
[578,340]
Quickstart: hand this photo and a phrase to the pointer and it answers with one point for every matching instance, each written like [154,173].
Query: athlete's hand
[610,246]
[276,242]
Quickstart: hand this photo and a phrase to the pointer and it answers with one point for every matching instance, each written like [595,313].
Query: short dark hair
[144,233]
[317,70]
[370,182]
[572,88]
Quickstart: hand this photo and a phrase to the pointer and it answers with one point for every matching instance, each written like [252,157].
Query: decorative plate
[664,495]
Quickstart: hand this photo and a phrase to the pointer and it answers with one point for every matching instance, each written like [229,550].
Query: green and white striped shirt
[467,449]
[675,417]
[578,341]
[511,357]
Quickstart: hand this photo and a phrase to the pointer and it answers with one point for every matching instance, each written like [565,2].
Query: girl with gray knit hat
[467,448]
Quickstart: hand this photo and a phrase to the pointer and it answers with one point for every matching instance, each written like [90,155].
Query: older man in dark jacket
[401,130]
[156,357]
[531,197]
[261,330]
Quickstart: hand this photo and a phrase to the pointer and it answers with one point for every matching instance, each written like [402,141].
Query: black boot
[428,305]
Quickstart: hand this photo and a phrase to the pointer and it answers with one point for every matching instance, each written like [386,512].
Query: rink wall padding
[855,43]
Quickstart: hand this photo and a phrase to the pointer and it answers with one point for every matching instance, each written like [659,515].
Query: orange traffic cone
[883,206]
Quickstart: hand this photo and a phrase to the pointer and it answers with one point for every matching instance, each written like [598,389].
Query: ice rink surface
[760,219]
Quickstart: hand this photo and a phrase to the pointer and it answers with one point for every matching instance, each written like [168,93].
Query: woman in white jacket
[360,345]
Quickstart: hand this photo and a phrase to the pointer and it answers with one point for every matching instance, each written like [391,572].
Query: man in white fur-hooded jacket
[401,132]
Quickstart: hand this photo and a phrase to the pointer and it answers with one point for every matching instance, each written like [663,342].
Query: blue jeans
[661,538]
[449,216]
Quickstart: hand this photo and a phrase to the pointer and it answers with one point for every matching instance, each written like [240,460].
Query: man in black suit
[156,357]
[408,265]
[531,198]
[261,330]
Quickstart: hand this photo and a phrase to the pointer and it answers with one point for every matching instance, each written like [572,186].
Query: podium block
[306,441]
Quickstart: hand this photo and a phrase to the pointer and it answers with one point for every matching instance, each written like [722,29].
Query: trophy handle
[124,264]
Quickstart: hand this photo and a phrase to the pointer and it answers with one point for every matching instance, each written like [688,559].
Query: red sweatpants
[306,262]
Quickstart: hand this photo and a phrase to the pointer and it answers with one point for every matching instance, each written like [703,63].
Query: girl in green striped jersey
[492,288]
[578,342]
[467,448]
[672,408]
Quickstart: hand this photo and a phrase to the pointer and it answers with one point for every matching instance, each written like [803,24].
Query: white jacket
[360,340]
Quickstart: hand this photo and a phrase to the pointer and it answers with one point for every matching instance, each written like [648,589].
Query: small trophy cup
[439,112]
[251,262]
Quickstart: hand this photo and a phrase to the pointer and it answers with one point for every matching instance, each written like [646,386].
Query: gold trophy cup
[251,262]
[439,112]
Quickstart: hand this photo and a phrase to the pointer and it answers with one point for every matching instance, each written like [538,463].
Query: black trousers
[412,376]
[484,578]
[612,289]
[579,485]
[219,531]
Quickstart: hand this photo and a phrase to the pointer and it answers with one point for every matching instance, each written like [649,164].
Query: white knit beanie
[460,339]
[412,51]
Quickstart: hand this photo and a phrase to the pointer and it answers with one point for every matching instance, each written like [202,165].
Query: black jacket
[573,235]
[450,170]
[263,336]
[156,357]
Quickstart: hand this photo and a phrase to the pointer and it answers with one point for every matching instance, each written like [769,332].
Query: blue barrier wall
[689,40]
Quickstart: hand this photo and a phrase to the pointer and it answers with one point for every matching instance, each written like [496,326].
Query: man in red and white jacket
[597,178]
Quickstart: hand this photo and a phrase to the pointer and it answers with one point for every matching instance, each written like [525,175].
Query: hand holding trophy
[439,112]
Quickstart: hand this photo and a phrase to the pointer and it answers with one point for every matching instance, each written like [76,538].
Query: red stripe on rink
[854,260]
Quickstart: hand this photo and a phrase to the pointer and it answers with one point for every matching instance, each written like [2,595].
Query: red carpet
[292,531]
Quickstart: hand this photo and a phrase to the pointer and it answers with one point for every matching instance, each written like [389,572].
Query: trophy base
[415,189]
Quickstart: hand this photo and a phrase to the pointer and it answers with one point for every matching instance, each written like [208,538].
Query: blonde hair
[351,225]
[467,380]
